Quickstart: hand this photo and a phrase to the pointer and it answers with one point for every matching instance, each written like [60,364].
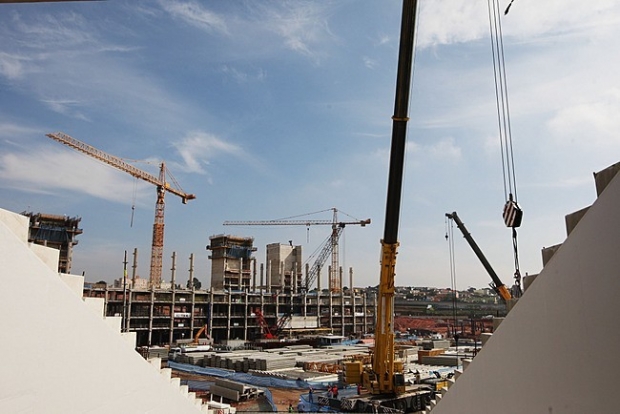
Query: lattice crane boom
[160,182]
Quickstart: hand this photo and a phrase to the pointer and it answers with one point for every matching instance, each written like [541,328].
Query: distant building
[55,231]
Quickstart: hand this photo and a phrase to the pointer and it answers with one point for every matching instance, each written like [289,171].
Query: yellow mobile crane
[384,380]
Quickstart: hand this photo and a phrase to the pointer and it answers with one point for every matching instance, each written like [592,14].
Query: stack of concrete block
[232,390]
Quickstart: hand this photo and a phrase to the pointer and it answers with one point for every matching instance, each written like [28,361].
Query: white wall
[58,355]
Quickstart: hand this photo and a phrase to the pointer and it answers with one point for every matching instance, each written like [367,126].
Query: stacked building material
[232,390]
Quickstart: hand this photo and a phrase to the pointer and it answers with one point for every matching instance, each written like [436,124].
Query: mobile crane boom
[386,376]
[497,284]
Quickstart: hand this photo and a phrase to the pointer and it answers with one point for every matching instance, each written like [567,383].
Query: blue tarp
[260,382]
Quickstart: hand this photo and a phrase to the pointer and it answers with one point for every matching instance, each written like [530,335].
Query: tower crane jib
[332,247]
[160,182]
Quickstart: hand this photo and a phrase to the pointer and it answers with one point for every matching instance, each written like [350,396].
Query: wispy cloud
[29,171]
[11,65]
[196,15]
[197,148]
[370,63]
[302,26]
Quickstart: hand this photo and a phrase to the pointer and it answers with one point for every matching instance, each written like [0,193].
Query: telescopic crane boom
[497,284]
[386,375]
[160,182]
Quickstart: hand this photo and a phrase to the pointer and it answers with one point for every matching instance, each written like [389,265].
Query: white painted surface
[61,356]
[47,255]
[74,282]
[557,350]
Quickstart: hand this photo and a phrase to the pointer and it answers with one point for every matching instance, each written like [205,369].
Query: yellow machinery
[384,379]
[386,376]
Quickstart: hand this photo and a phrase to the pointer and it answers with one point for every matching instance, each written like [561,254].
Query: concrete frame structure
[556,351]
[161,317]
[231,260]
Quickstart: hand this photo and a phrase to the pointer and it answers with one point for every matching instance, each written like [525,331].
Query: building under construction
[55,231]
[240,305]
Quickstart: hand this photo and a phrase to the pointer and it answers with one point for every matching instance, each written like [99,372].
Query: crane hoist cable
[512,212]
[450,240]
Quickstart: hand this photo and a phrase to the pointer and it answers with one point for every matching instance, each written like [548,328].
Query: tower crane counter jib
[160,182]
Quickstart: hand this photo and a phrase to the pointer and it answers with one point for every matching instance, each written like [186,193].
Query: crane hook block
[512,214]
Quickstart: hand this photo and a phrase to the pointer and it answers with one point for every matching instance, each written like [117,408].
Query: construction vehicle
[496,283]
[337,228]
[384,380]
[163,186]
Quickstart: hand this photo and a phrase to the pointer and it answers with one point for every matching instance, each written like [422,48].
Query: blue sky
[275,109]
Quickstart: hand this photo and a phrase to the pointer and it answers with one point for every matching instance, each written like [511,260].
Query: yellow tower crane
[157,247]
[332,247]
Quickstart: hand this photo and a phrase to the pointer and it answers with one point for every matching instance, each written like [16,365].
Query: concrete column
[240,283]
[134,267]
[282,276]
[330,282]
[192,308]
[294,278]
[306,285]
[269,276]
[210,315]
[229,315]
[173,271]
[351,279]
[331,314]
[364,307]
[245,320]
[318,305]
[191,271]
[150,337]
[262,278]
[305,299]
[352,293]
[342,303]
[128,326]
[254,274]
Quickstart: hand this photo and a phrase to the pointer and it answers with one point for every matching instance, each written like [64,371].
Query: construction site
[303,328]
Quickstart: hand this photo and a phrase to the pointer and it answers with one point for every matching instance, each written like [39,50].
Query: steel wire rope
[504,124]
[450,240]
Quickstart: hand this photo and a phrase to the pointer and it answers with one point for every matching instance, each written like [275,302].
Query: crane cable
[450,240]
[512,213]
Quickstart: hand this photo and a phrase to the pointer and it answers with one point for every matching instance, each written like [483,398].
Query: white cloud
[30,172]
[11,65]
[198,147]
[454,21]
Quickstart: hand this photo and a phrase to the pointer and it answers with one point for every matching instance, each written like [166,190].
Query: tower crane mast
[332,247]
[160,182]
